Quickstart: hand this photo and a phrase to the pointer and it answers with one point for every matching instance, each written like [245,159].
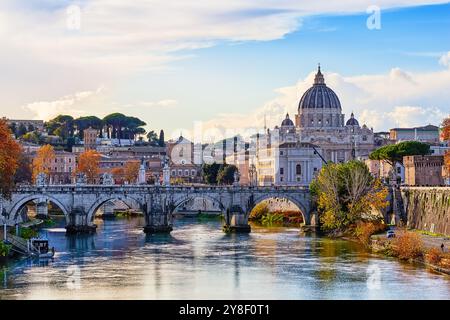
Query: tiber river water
[198,261]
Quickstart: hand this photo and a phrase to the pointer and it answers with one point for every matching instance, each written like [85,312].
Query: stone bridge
[79,203]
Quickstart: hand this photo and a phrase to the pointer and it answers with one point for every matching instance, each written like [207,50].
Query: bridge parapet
[80,202]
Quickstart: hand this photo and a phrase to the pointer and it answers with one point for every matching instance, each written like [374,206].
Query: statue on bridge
[81,179]
[166,172]
[107,179]
[41,179]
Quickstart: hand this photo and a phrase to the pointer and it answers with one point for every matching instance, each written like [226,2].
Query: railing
[21,245]
[125,188]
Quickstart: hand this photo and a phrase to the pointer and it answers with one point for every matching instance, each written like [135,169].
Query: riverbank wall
[427,208]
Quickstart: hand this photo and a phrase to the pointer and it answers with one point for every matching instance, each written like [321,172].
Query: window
[281,170]
[399,170]
[281,179]
[186,173]
[364,138]
[298,169]
[315,169]
[174,173]
[281,153]
[193,173]
[180,172]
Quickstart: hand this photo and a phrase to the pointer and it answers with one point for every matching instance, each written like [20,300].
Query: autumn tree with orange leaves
[10,152]
[131,171]
[88,163]
[117,174]
[445,135]
[42,163]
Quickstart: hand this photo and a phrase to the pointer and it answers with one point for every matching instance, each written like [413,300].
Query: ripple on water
[198,261]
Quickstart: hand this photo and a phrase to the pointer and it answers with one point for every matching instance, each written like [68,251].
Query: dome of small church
[352,121]
[287,122]
[319,95]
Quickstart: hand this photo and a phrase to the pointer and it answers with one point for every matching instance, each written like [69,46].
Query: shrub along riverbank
[347,195]
[262,214]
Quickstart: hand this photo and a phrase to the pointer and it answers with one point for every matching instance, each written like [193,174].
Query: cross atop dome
[318,79]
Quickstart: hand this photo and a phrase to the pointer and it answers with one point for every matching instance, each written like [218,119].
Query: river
[198,261]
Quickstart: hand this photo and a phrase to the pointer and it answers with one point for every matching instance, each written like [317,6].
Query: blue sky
[225,66]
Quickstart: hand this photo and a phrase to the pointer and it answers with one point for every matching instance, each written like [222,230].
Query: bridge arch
[131,202]
[258,199]
[186,198]
[17,207]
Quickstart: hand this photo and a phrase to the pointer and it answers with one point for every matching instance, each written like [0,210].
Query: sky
[221,68]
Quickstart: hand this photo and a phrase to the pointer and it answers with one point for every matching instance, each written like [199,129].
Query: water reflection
[198,261]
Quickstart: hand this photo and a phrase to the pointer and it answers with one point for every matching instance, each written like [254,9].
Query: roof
[429,127]
[298,145]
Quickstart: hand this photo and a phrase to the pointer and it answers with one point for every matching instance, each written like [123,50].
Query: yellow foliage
[43,161]
[88,163]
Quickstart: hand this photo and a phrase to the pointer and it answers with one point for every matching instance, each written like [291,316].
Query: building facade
[428,134]
[424,170]
[293,153]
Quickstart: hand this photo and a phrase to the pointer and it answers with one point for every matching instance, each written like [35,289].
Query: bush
[259,211]
[365,230]
[272,218]
[408,246]
[26,233]
[434,256]
[4,249]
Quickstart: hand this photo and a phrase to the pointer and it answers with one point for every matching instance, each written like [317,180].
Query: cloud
[445,59]
[159,104]
[397,98]
[76,105]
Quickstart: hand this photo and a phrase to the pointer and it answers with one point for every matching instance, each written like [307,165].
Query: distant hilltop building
[427,134]
[36,125]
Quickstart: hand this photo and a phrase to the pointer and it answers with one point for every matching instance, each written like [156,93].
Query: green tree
[161,141]
[61,126]
[226,174]
[394,153]
[21,130]
[115,122]
[83,123]
[13,128]
[344,192]
[152,138]
[210,172]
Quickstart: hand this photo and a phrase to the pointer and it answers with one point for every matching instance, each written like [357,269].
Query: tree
[21,130]
[10,153]
[42,163]
[62,126]
[24,173]
[152,138]
[131,171]
[394,153]
[210,172]
[13,128]
[118,175]
[445,134]
[83,123]
[88,163]
[226,174]
[32,137]
[161,141]
[345,192]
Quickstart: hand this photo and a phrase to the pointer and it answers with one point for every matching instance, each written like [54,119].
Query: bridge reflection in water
[198,261]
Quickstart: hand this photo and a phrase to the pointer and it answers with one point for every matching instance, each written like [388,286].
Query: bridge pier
[78,223]
[236,221]
[42,210]
[158,221]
